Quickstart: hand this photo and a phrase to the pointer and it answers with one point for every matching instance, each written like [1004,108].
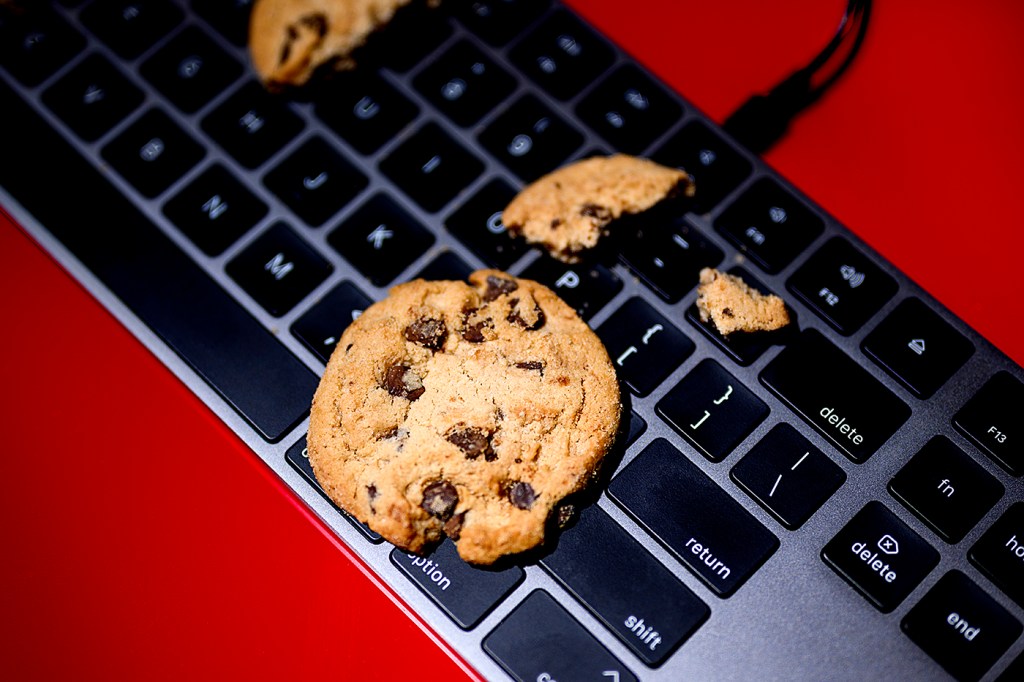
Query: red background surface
[142,539]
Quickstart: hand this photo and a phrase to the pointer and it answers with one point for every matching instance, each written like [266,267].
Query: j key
[880,556]
[191,70]
[946,489]
[252,125]
[842,286]
[562,55]
[152,153]
[769,224]
[632,594]
[466,594]
[669,258]
[498,21]
[446,266]
[364,110]
[991,419]
[431,167]
[716,168]
[229,17]
[716,538]
[35,44]
[747,347]
[587,288]
[712,410]
[788,476]
[629,110]
[541,641]
[130,27]
[644,345]
[960,626]
[321,327]
[530,139]
[92,97]
[478,225]
[999,554]
[279,269]
[917,347]
[408,38]
[315,181]
[835,395]
[298,457]
[381,239]
[214,210]
[464,83]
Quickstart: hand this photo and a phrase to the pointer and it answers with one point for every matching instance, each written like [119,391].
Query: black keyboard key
[153,153]
[321,327]
[712,410]
[34,44]
[466,594]
[431,167]
[960,626]
[946,489]
[464,83]
[633,595]
[917,347]
[629,110]
[252,125]
[229,17]
[746,347]
[644,346]
[842,285]
[477,224]
[499,21]
[587,288]
[835,395]
[315,181]
[1013,672]
[991,419]
[668,258]
[999,554]
[530,138]
[92,97]
[769,225]
[364,110]
[214,210]
[130,27]
[541,641]
[191,70]
[562,55]
[412,34]
[714,537]
[279,269]
[716,168]
[788,476]
[380,239]
[880,556]
[298,457]
[447,266]
[637,426]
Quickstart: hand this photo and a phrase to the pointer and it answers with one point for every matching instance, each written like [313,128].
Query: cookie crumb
[732,305]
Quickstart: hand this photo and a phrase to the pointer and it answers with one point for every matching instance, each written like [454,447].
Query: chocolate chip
[521,494]
[555,223]
[439,499]
[602,213]
[371,492]
[453,526]
[428,332]
[402,382]
[516,317]
[727,312]
[474,331]
[532,365]
[390,433]
[473,441]
[498,286]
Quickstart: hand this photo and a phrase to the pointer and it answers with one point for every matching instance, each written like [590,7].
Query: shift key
[835,395]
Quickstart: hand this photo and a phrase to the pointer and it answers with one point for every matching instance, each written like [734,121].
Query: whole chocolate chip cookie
[463,410]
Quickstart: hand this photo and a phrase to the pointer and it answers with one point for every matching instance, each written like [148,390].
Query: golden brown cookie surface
[732,305]
[465,410]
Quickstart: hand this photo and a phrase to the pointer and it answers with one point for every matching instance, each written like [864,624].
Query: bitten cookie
[463,410]
[568,210]
[732,305]
[290,39]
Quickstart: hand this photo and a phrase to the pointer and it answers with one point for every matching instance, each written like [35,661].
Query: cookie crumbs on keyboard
[732,305]
[568,210]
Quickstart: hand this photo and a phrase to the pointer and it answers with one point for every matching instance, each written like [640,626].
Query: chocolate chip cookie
[732,305]
[466,410]
[568,210]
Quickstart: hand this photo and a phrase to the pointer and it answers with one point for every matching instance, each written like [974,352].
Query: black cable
[763,119]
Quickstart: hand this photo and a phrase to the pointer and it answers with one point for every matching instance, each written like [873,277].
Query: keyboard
[850,488]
